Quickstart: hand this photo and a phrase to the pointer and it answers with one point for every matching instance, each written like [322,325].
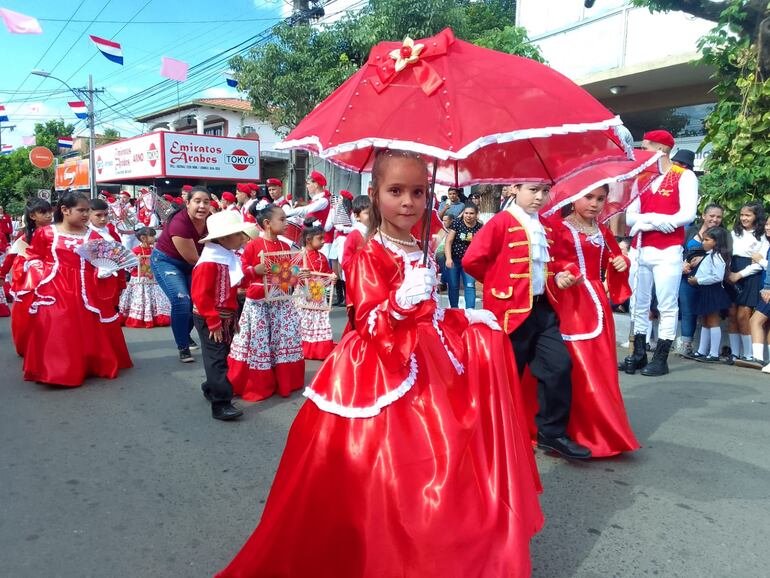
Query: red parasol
[626,180]
[488,117]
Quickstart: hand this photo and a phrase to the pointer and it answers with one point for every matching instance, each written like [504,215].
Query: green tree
[47,134]
[286,78]
[20,180]
[108,135]
[738,47]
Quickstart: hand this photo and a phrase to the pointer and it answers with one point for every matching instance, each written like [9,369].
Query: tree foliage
[738,129]
[47,134]
[286,78]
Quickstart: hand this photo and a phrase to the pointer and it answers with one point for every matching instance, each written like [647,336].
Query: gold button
[511,229]
[510,245]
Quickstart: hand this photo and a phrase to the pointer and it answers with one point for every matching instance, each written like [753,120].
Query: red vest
[321,216]
[664,201]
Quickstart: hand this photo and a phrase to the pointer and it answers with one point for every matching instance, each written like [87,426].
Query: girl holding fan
[710,297]
[74,330]
[266,353]
[317,342]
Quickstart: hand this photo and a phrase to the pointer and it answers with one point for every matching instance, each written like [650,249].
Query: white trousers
[663,267]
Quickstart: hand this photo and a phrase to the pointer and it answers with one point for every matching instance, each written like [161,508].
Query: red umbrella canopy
[488,117]
[625,180]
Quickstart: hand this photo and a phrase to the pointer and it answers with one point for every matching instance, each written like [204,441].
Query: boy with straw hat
[215,281]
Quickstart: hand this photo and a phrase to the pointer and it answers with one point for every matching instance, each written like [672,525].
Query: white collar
[361,228]
[216,253]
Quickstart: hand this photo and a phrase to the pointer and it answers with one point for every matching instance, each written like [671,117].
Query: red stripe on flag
[104,41]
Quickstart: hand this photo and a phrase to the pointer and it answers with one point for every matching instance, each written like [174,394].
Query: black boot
[638,359]
[659,364]
[339,300]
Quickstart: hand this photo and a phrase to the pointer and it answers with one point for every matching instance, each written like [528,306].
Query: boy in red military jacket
[510,256]
[214,290]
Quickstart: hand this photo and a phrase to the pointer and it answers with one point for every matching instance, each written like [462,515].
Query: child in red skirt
[317,341]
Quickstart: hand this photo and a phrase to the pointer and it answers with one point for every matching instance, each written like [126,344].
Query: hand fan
[108,256]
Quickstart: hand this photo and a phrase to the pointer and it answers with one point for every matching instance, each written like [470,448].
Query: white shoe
[766,368]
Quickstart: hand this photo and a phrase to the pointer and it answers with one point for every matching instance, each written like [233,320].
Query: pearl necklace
[411,243]
[587,231]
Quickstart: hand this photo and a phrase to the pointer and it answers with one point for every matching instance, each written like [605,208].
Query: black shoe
[185,356]
[206,393]
[638,359]
[225,411]
[563,446]
[659,364]
[193,346]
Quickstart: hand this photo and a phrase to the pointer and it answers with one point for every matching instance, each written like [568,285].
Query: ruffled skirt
[317,342]
[144,305]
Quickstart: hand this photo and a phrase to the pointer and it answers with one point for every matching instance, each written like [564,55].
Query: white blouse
[744,246]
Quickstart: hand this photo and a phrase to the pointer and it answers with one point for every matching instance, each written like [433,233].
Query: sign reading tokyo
[202,156]
[132,158]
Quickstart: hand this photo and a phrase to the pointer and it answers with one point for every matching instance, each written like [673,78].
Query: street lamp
[91,128]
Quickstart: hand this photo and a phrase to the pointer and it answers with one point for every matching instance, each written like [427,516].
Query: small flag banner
[231,80]
[79,108]
[6,149]
[111,50]
[3,114]
[173,69]
[20,23]
[65,142]
[29,141]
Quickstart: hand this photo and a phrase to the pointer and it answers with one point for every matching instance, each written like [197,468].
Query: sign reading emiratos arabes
[169,154]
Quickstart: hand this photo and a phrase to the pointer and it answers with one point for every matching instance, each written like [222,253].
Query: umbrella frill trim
[313,143]
[609,180]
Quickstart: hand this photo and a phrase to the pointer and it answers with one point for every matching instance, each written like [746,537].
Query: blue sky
[29,99]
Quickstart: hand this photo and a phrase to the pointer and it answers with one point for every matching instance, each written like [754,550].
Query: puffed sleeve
[38,253]
[373,280]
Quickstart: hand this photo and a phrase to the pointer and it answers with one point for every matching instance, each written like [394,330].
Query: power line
[164,22]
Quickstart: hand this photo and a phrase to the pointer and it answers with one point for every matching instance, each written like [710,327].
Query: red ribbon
[426,76]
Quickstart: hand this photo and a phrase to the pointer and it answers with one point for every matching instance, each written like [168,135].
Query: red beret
[253,186]
[661,137]
[228,196]
[169,198]
[288,197]
[179,200]
[242,188]
[346,195]
[187,188]
[125,194]
[318,178]
[215,204]
[110,199]
[143,191]
[274,183]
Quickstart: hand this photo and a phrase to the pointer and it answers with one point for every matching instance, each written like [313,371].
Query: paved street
[132,478]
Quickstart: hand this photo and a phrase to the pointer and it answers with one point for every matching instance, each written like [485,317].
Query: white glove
[488,318]
[664,227]
[640,226]
[416,287]
[104,273]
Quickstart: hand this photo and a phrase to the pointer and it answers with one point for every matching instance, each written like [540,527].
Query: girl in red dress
[4,247]
[74,331]
[598,417]
[266,353]
[408,459]
[143,304]
[317,341]
[37,214]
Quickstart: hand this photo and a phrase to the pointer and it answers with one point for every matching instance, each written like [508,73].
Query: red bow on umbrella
[391,58]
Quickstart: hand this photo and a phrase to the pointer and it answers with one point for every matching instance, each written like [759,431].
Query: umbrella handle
[429,214]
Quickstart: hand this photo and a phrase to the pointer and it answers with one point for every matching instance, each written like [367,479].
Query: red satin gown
[409,459]
[598,417]
[74,331]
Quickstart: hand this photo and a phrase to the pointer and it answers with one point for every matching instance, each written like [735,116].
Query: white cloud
[220,92]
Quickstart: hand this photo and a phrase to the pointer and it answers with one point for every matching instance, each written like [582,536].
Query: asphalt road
[133,478]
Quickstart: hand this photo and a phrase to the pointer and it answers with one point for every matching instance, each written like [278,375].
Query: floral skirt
[144,305]
[266,354]
[316,331]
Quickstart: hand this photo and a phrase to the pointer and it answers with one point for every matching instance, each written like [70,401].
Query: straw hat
[225,223]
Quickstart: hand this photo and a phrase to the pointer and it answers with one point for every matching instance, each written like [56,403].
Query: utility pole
[79,92]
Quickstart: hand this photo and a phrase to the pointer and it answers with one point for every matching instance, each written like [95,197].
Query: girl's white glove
[482,316]
[416,287]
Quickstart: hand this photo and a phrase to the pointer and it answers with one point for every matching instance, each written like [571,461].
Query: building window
[214,130]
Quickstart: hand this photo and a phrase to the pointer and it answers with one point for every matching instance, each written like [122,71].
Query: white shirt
[538,246]
[318,202]
[688,202]
[744,246]
[711,269]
